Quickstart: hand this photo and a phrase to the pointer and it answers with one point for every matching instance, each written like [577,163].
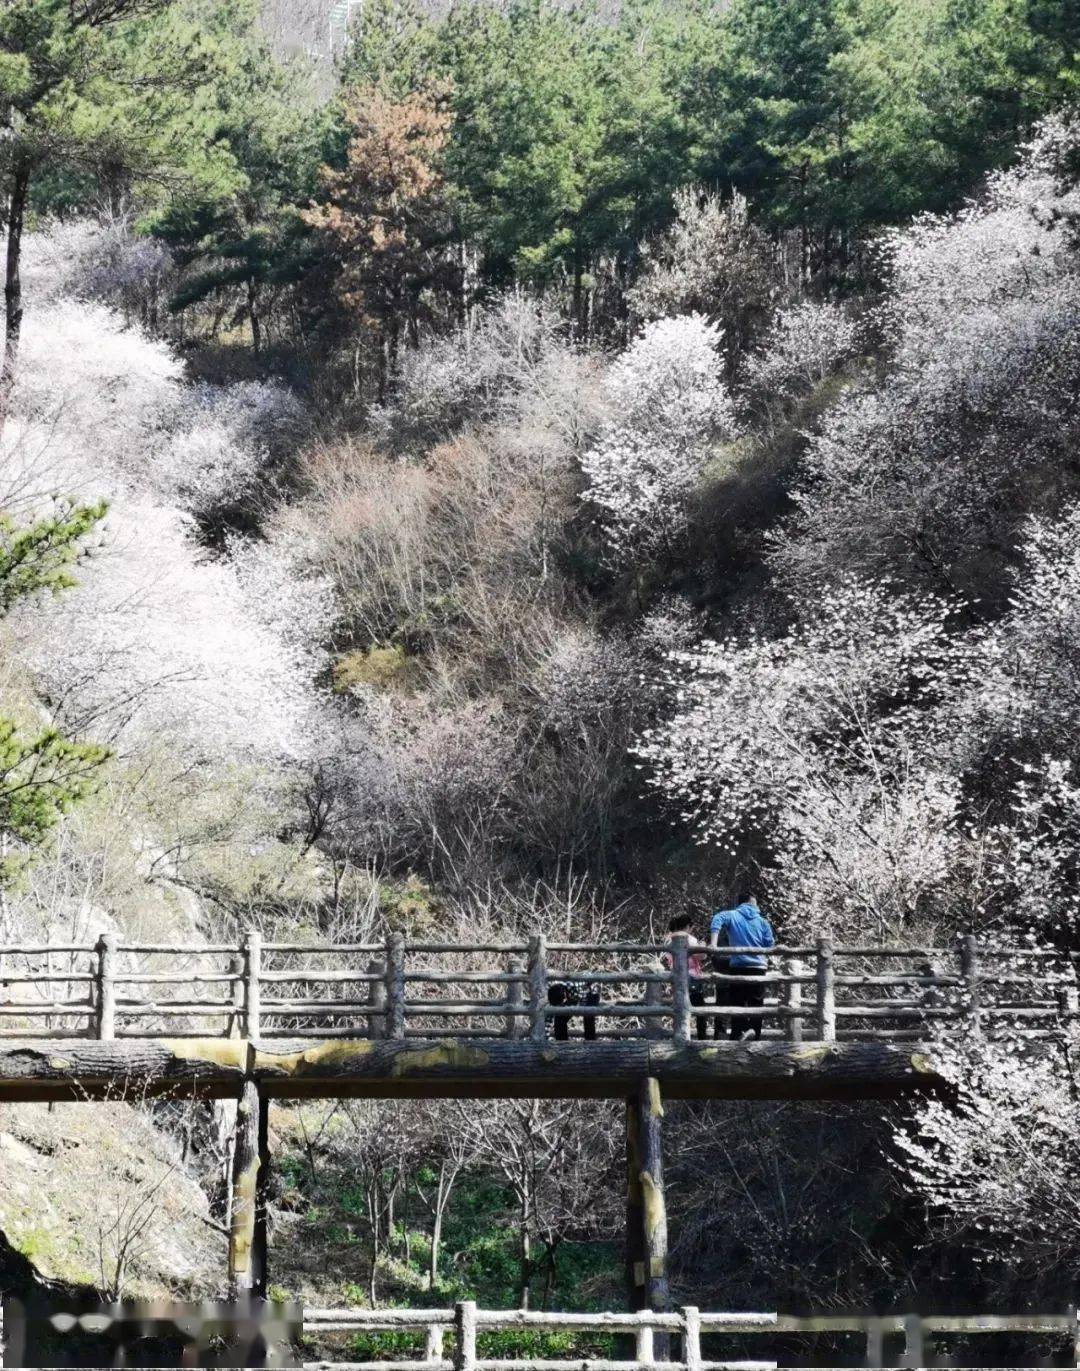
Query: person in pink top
[683,923]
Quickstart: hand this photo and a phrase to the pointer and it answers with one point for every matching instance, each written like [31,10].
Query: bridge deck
[76,1068]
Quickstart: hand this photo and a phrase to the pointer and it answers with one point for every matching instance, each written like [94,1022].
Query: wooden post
[433,1347]
[969,969]
[376,1022]
[680,987]
[538,988]
[653,1000]
[826,991]
[913,1341]
[252,986]
[236,995]
[691,1317]
[395,985]
[793,1000]
[465,1328]
[260,1251]
[515,999]
[106,987]
[654,1209]
[242,1228]
[643,1345]
[875,1343]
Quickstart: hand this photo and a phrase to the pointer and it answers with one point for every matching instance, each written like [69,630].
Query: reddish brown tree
[385,216]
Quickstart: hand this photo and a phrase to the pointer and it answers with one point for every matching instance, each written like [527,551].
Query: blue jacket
[745,926]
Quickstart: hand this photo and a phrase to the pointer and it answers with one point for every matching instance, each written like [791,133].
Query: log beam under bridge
[79,1068]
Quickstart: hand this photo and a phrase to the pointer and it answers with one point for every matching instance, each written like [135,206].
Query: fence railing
[528,991]
[452,1339]
[663,1341]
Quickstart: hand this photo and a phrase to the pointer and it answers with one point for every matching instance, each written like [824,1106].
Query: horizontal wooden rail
[465,1323]
[677,989]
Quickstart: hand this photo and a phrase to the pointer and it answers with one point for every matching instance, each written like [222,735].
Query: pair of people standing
[746,927]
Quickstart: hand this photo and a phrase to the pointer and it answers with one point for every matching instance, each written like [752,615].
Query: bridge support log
[646,1210]
[79,1068]
[247,1228]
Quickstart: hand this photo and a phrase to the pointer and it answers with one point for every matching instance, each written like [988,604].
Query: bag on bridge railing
[564,994]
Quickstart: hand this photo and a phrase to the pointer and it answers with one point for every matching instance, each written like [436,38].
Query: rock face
[95,1195]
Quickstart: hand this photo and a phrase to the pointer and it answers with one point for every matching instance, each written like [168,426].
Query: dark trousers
[750,995]
[697,999]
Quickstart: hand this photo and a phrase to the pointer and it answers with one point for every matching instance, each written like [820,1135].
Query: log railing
[663,1341]
[529,990]
[452,1339]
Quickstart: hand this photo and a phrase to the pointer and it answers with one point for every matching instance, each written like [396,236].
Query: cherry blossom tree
[667,406]
[834,742]
[996,1160]
[805,344]
[929,474]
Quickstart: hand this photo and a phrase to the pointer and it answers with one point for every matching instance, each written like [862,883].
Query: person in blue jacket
[743,926]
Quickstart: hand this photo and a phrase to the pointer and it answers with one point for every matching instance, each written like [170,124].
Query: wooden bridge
[266,1020]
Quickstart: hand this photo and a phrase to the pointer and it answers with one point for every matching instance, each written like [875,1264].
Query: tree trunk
[13,307]
[577,306]
[442,1195]
[253,315]
[524,1268]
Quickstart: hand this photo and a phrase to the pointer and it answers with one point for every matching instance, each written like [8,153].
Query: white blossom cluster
[930,473]
[831,741]
[997,1160]
[161,637]
[667,407]
[513,364]
[805,344]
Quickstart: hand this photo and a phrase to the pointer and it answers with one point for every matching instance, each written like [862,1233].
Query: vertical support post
[433,1346]
[653,1000]
[515,998]
[643,1345]
[538,988]
[395,985]
[242,1228]
[376,1020]
[236,995]
[792,999]
[260,1250]
[875,1344]
[969,969]
[826,991]
[465,1328]
[913,1341]
[252,985]
[106,987]
[691,1317]
[647,1253]
[680,987]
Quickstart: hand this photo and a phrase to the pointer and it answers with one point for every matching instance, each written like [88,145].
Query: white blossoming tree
[998,1159]
[668,406]
[832,742]
[930,473]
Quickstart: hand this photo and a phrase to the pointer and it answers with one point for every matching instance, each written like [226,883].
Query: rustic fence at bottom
[681,1330]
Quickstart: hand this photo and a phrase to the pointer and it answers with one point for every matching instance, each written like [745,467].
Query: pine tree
[384,216]
[42,774]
